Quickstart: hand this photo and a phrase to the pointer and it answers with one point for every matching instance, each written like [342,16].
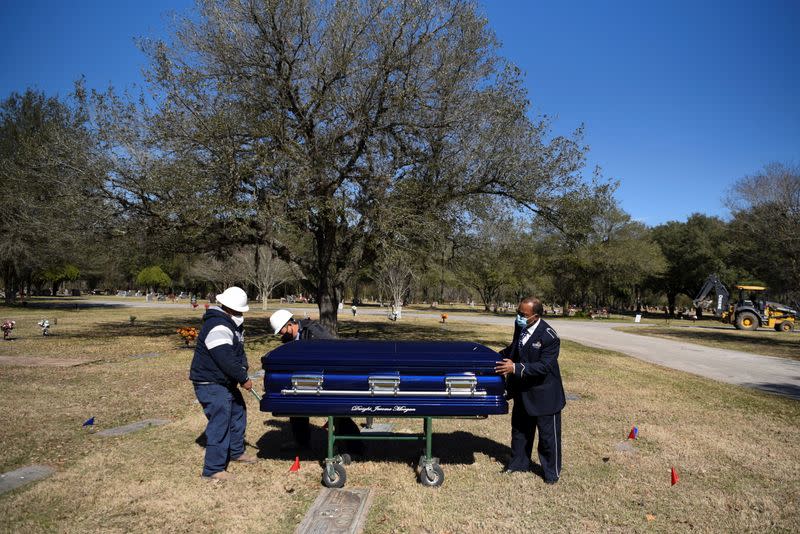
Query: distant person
[283,324]
[534,382]
[218,367]
[354,309]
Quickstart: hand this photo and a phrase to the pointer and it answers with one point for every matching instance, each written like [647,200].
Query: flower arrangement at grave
[8,326]
[444,318]
[188,334]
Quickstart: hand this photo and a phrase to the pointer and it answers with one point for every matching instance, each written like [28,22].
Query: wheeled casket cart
[382,379]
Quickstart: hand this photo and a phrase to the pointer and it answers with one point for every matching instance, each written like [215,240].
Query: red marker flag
[674,477]
[296,465]
[634,433]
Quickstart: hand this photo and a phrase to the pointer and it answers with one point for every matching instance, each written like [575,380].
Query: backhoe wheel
[785,326]
[746,321]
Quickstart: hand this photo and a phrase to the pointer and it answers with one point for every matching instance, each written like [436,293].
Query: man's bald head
[533,305]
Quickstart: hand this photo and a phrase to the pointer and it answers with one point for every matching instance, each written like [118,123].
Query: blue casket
[382,379]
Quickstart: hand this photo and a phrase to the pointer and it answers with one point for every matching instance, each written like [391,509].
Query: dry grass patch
[736,449]
[766,342]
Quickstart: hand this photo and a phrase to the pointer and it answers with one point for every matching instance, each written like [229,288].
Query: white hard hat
[234,298]
[279,319]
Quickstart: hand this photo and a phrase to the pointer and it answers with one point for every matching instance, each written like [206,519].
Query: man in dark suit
[534,381]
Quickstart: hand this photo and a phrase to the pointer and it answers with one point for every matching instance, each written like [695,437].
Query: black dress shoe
[550,481]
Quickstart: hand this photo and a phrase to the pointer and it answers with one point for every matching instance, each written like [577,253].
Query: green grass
[736,450]
[767,342]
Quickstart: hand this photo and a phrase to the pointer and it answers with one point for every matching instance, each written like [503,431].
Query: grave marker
[337,511]
[24,475]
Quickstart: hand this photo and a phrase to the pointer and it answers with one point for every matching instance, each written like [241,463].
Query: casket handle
[461,384]
[307,383]
[383,384]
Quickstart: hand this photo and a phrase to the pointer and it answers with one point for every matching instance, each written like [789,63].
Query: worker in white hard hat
[283,324]
[218,367]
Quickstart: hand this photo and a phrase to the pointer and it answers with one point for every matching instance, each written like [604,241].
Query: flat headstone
[133,427]
[146,355]
[573,397]
[36,361]
[337,511]
[378,428]
[24,475]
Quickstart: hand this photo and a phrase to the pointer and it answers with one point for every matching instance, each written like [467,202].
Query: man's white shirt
[523,338]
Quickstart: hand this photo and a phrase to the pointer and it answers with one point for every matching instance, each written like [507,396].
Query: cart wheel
[431,476]
[345,458]
[339,476]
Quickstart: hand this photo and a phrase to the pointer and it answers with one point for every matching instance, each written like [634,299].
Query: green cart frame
[334,474]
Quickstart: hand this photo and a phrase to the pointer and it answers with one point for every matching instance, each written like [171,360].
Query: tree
[264,270]
[153,277]
[221,272]
[58,275]
[394,275]
[482,260]
[766,218]
[318,128]
[692,250]
[44,216]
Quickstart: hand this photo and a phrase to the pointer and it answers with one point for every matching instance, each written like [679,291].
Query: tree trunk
[328,294]
[671,303]
[8,285]
[328,305]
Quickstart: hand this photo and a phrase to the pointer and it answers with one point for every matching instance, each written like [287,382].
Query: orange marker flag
[296,465]
[674,476]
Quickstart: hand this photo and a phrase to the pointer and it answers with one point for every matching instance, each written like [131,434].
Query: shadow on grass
[457,447]
[789,390]
[259,331]
[161,327]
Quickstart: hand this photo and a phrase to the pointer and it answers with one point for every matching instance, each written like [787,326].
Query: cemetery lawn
[736,450]
[761,341]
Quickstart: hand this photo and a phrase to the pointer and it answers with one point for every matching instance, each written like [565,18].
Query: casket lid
[347,355]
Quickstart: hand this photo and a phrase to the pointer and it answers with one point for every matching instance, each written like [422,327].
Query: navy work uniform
[538,395]
[301,429]
[218,366]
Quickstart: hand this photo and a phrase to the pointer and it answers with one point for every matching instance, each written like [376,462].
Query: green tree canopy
[693,250]
[153,277]
[45,218]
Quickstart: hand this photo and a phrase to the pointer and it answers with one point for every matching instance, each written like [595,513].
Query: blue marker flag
[89,422]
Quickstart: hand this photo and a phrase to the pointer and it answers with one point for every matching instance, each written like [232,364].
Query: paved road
[777,375]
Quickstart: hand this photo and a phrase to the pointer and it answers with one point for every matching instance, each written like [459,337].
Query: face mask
[238,321]
[521,321]
[287,337]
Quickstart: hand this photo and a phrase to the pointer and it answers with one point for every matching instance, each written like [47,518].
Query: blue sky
[679,98]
